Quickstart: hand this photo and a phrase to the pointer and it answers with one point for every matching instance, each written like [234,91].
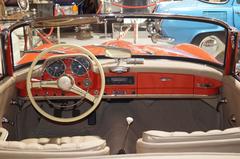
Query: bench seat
[227,140]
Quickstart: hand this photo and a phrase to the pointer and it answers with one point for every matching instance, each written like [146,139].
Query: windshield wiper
[39,51]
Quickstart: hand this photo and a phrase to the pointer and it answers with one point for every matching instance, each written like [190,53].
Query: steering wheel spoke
[44,84]
[77,90]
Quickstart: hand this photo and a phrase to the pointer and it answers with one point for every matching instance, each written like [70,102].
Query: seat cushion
[3,134]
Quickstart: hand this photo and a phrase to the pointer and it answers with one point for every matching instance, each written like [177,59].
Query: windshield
[214,1]
[145,36]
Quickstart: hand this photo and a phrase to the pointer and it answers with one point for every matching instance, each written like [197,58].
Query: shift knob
[129,120]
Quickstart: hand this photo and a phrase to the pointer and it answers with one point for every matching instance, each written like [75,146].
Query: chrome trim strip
[139,96]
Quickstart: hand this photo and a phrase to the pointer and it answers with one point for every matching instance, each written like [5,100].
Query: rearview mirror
[118,53]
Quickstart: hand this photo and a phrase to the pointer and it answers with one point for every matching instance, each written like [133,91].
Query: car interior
[90,104]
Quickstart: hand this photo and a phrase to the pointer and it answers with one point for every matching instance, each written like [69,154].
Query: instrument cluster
[79,66]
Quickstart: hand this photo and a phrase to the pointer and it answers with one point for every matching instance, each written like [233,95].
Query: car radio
[120,80]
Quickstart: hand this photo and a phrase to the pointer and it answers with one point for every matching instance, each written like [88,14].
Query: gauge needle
[55,71]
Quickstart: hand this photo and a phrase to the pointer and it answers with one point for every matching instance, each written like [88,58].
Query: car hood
[180,50]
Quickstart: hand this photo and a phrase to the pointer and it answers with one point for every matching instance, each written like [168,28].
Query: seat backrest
[227,140]
[75,143]
[64,147]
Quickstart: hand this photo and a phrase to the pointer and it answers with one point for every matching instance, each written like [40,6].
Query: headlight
[212,44]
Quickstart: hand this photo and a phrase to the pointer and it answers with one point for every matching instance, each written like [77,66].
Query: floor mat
[165,115]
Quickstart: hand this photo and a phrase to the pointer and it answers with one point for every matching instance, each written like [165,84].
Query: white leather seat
[227,140]
[3,134]
[63,147]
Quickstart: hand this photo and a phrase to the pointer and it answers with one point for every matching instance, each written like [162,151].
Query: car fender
[187,34]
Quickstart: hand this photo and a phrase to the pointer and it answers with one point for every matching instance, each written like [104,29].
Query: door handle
[165,79]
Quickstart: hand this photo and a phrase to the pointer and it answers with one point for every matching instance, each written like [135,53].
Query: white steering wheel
[68,84]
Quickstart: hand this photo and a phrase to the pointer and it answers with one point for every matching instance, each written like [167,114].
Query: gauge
[56,69]
[80,65]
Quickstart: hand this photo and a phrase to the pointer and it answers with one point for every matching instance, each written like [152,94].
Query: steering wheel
[65,83]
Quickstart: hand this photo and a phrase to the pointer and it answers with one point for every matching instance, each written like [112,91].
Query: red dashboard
[136,83]
[164,83]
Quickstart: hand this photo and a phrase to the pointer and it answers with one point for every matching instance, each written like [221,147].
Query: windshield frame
[35,22]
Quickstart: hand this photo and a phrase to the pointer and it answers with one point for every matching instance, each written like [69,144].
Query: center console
[121,84]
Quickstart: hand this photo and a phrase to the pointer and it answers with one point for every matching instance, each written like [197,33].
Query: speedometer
[80,65]
[56,69]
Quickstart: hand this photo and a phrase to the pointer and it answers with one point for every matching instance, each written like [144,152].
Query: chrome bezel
[87,69]
[50,63]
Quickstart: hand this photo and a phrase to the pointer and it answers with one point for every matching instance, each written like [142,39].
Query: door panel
[1,60]
[7,92]
[231,91]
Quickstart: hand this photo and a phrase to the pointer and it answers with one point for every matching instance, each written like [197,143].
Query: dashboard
[146,80]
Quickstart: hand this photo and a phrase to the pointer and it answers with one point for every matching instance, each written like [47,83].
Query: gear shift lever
[129,122]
